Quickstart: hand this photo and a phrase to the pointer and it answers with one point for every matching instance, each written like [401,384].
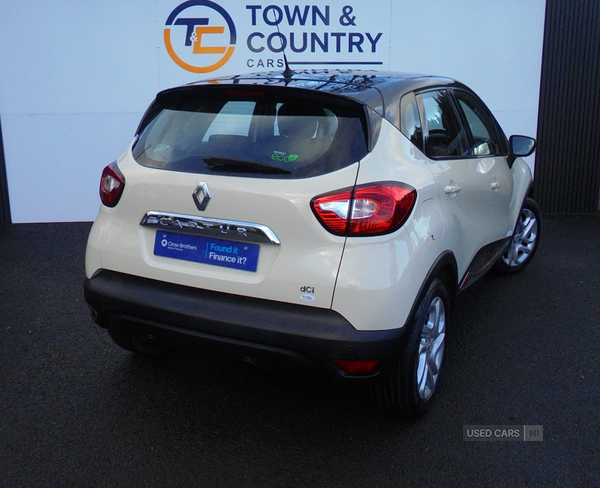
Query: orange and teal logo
[200,36]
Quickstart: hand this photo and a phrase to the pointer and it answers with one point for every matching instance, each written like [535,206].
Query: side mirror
[520,147]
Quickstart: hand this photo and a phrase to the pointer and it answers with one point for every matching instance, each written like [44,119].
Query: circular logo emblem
[200,36]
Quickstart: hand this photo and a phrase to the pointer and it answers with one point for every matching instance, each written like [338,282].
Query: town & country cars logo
[200,35]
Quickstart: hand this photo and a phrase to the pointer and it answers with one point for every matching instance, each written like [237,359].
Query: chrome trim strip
[223,229]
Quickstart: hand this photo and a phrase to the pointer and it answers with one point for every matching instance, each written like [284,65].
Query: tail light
[368,210]
[112,184]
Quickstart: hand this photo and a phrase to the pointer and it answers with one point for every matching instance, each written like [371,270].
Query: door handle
[451,189]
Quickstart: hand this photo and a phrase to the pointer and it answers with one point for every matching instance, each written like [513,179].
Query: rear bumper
[264,332]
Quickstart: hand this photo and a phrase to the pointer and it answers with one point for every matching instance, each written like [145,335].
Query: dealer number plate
[207,250]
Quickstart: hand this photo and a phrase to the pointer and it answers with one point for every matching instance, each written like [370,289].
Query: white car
[321,219]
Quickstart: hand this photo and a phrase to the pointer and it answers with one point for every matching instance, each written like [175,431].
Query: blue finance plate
[207,250]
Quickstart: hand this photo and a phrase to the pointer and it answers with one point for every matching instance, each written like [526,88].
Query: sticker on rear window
[280,156]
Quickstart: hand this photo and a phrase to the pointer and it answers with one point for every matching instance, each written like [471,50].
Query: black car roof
[377,89]
[381,91]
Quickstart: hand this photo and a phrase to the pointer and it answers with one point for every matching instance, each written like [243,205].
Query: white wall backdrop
[76,77]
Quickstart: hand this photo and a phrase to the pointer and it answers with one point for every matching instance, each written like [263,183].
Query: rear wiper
[241,166]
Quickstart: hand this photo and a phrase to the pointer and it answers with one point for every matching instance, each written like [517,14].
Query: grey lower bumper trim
[314,334]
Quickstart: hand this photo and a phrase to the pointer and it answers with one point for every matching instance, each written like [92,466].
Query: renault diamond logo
[201,195]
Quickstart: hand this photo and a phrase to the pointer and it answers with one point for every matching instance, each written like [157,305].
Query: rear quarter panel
[380,277]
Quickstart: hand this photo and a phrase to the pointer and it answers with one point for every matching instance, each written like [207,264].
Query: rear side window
[256,132]
[410,122]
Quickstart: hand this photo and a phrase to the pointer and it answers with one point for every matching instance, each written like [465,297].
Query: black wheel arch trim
[445,268]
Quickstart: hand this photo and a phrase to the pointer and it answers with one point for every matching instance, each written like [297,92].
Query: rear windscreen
[255,132]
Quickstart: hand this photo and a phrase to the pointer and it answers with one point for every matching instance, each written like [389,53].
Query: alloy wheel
[431,349]
[524,239]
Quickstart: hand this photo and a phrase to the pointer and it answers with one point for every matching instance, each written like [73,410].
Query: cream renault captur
[320,219]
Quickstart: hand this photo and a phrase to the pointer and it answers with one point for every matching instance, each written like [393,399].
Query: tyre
[407,389]
[525,240]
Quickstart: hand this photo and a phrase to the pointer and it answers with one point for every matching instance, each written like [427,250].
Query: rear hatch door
[219,186]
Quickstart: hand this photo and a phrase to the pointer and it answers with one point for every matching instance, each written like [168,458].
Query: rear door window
[445,136]
[269,133]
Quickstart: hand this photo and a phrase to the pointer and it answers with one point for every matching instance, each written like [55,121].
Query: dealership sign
[202,36]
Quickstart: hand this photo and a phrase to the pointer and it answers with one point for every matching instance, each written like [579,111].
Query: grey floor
[75,410]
